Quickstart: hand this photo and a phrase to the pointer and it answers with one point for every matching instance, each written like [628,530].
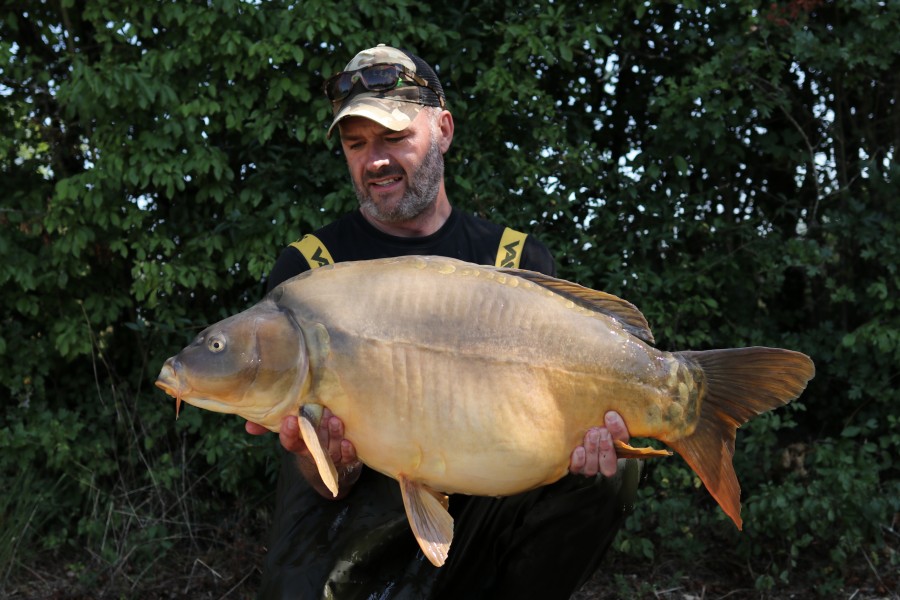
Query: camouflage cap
[396,108]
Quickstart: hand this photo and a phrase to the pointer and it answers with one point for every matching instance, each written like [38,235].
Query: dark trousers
[544,543]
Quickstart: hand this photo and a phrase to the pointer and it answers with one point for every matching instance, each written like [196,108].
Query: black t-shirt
[538,544]
[463,236]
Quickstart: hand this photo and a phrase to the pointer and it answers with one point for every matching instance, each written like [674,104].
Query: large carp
[457,378]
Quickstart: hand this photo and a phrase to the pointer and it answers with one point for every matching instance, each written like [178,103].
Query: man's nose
[378,158]
[378,163]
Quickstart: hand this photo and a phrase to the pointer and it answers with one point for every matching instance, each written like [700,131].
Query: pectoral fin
[432,525]
[310,414]
[624,450]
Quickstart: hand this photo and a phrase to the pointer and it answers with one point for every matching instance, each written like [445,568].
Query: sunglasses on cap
[375,78]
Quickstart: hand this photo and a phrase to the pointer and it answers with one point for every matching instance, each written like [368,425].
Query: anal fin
[431,524]
[624,450]
[308,421]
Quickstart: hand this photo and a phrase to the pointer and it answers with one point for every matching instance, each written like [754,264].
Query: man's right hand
[331,436]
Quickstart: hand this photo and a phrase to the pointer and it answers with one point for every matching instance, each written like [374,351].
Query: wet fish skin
[225,370]
[452,377]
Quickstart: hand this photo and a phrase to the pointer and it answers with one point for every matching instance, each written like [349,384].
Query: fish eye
[215,344]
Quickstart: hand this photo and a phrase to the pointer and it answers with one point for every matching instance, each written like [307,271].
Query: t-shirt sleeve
[536,257]
[289,263]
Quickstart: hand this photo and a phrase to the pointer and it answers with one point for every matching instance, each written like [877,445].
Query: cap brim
[396,115]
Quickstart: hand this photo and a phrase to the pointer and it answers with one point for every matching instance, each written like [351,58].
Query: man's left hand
[598,455]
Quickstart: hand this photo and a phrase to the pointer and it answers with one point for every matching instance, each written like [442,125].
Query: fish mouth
[169,383]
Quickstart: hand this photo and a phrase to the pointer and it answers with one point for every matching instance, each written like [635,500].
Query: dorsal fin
[626,313]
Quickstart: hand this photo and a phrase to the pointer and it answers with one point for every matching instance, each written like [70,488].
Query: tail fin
[741,383]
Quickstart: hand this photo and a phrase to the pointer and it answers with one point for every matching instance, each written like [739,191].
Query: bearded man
[395,128]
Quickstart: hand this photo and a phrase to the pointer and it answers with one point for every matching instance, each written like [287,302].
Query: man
[389,107]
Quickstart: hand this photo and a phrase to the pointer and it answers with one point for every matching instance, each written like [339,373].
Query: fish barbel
[452,377]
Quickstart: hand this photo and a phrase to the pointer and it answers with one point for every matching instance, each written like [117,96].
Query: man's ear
[445,128]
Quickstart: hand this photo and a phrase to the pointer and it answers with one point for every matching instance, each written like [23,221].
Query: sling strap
[314,251]
[509,253]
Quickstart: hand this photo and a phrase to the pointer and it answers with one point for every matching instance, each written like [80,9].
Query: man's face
[396,174]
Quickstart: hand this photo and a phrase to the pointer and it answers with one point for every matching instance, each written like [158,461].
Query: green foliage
[833,504]
[730,169]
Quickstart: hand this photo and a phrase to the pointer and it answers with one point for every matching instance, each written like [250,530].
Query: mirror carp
[452,377]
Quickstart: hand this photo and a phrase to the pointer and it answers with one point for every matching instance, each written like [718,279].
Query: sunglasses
[375,78]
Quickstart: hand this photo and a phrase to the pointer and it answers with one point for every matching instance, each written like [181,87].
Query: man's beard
[422,186]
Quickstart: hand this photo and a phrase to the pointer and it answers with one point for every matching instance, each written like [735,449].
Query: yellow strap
[314,251]
[510,251]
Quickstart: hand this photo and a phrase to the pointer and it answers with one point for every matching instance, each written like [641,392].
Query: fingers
[616,426]
[331,435]
[577,460]
[254,428]
[289,436]
[585,458]
[607,463]
[598,454]
[348,453]
[335,435]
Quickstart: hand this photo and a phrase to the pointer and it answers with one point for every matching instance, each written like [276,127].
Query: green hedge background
[730,168]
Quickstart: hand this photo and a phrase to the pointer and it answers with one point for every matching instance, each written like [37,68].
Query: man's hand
[598,455]
[331,436]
